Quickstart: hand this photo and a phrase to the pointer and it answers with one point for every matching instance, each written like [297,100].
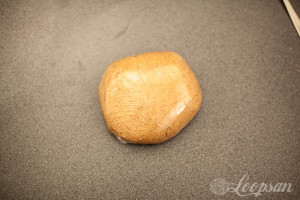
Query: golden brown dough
[149,98]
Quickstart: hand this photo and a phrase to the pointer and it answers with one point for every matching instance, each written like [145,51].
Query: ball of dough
[149,98]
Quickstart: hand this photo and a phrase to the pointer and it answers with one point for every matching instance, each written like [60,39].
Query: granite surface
[54,143]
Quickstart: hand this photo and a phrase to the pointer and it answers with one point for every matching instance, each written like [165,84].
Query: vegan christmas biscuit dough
[149,98]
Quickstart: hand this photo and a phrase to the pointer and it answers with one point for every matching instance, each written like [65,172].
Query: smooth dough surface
[149,98]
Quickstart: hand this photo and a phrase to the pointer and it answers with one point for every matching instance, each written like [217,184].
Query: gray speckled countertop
[54,143]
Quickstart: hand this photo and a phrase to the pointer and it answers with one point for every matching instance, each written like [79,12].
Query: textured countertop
[54,143]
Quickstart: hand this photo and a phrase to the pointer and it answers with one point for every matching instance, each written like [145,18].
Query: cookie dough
[149,98]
